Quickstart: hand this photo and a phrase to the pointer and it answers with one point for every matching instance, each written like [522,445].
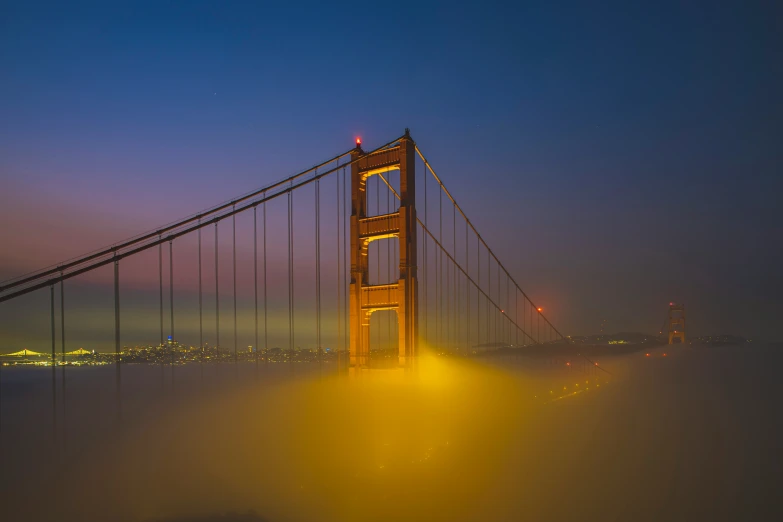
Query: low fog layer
[688,436]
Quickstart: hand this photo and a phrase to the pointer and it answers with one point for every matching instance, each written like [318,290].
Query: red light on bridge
[596,364]
[664,355]
[540,309]
[358,141]
[568,364]
[647,355]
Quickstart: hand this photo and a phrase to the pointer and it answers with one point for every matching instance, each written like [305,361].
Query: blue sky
[617,157]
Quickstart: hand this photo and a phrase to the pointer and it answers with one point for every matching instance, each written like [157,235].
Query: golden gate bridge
[444,288]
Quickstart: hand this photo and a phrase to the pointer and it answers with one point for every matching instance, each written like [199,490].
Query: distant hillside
[618,338]
[719,340]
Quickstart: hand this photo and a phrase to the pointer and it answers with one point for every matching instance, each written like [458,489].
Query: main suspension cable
[115,251]
[448,194]
[450,258]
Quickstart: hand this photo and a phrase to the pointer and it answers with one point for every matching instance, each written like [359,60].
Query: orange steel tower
[400,296]
[676,322]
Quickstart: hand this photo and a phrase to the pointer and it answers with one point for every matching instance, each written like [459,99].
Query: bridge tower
[676,322]
[402,295]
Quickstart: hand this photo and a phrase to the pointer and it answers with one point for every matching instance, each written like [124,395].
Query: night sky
[615,157]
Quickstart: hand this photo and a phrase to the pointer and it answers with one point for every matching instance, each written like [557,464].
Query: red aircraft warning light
[540,309]
[358,141]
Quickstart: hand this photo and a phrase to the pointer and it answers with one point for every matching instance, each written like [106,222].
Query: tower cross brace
[399,296]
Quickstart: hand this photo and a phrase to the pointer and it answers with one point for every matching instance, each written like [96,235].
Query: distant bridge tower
[676,322]
[401,295]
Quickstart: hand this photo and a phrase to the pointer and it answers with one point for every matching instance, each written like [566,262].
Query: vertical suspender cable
[396,270]
[493,324]
[1,404]
[524,317]
[508,304]
[426,266]
[525,322]
[388,265]
[439,277]
[266,331]
[234,269]
[467,292]
[200,308]
[288,256]
[478,293]
[489,293]
[62,346]
[118,379]
[456,279]
[171,303]
[318,268]
[62,318]
[54,371]
[489,298]
[293,328]
[449,304]
[496,330]
[290,285]
[346,263]
[162,346]
[255,284]
[339,272]
[428,167]
[378,250]
[502,316]
[498,317]
[217,297]
[394,277]
[454,276]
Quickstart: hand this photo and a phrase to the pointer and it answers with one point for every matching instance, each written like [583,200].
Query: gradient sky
[616,157]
